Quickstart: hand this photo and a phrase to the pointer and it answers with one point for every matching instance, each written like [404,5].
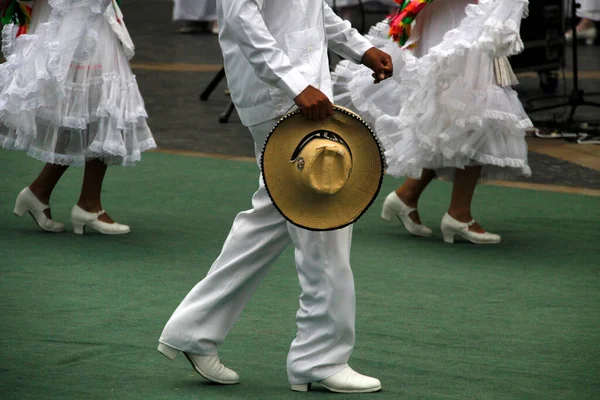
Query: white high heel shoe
[451,228]
[345,381]
[209,367]
[393,205]
[28,202]
[81,218]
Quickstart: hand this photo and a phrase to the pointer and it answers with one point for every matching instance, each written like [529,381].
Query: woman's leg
[465,181]
[44,184]
[410,192]
[89,199]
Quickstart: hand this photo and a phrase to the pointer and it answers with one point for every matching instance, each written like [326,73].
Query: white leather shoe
[393,205]
[209,367]
[28,202]
[345,381]
[452,228]
[589,35]
[81,218]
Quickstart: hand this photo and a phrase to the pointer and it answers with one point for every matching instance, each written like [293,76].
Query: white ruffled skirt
[67,92]
[446,110]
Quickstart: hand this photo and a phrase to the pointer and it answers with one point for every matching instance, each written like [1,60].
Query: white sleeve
[243,22]
[342,38]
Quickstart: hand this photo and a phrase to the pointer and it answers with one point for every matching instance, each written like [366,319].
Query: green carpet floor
[81,315]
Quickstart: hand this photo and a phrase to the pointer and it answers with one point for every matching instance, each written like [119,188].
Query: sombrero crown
[322,175]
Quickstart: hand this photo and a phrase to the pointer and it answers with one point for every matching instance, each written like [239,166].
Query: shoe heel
[20,209]
[448,236]
[387,214]
[304,387]
[168,351]
[77,227]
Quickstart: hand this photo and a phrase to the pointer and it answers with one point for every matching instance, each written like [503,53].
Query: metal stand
[576,98]
[224,116]
[213,84]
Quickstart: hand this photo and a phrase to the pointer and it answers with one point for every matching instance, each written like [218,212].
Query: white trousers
[325,319]
[195,10]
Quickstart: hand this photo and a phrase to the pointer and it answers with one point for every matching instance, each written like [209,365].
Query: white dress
[67,92]
[444,108]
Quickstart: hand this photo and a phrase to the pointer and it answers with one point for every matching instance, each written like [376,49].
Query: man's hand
[379,62]
[314,104]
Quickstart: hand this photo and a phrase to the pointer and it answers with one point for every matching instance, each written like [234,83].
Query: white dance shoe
[393,205]
[209,367]
[345,381]
[589,35]
[28,202]
[81,218]
[452,228]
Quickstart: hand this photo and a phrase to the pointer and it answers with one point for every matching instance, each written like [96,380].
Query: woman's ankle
[408,197]
[461,214]
[90,205]
[41,192]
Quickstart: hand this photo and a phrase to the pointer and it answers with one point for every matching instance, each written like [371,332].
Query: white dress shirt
[274,49]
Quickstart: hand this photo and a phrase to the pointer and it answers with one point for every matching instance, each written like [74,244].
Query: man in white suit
[275,57]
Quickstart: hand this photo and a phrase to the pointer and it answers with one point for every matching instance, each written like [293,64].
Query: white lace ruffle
[449,112]
[67,92]
[353,84]
[110,155]
[37,63]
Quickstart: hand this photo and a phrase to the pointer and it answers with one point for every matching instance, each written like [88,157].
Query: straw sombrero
[322,175]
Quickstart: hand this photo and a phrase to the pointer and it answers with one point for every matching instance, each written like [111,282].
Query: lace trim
[112,154]
[489,172]
[413,167]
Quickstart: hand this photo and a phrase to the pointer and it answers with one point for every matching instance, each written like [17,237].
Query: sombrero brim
[297,203]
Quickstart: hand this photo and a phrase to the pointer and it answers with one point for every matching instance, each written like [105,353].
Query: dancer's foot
[27,201]
[465,216]
[406,212]
[43,196]
[410,201]
[80,218]
[209,367]
[586,30]
[95,208]
[345,381]
[470,230]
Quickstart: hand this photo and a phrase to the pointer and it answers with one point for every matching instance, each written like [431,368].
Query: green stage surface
[81,315]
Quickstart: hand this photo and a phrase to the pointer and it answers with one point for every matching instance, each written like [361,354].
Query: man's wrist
[293,83]
[362,60]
